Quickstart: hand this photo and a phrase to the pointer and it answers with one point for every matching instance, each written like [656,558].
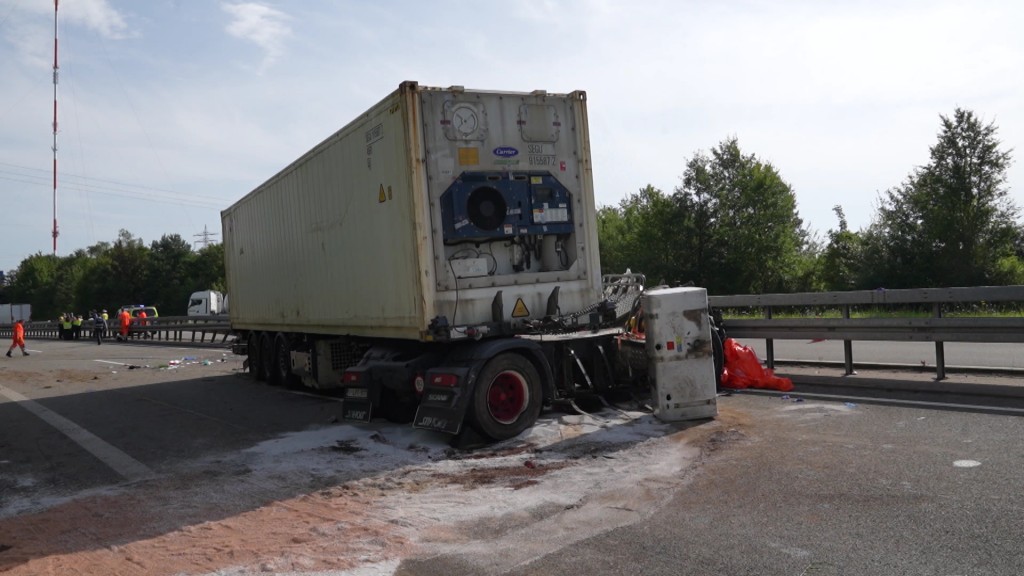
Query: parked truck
[437,258]
[207,303]
[11,313]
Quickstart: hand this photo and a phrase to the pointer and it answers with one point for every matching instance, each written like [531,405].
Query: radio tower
[55,69]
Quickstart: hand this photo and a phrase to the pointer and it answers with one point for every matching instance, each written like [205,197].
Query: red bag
[744,370]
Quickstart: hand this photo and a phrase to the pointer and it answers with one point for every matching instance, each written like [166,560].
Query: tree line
[110,275]
[733,227]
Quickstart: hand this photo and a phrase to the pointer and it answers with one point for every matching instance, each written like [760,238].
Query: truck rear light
[419,383]
[351,377]
[446,380]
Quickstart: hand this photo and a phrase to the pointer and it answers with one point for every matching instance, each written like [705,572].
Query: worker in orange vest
[143,322]
[19,339]
[125,318]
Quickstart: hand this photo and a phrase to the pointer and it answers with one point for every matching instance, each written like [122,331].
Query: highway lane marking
[129,468]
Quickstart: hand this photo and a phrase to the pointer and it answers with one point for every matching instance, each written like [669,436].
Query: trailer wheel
[267,354]
[507,398]
[255,360]
[282,361]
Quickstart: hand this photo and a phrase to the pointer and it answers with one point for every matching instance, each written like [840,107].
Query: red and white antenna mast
[55,69]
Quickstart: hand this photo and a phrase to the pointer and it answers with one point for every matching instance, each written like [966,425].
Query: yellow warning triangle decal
[520,309]
[381,197]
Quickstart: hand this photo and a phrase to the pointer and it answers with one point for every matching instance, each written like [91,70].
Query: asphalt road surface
[106,468]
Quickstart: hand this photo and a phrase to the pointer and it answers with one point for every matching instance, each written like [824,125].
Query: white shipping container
[436,202]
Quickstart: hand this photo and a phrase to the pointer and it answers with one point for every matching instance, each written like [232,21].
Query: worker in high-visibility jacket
[66,324]
[18,339]
[76,327]
[125,320]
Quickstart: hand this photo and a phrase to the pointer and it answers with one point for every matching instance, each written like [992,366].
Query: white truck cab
[207,303]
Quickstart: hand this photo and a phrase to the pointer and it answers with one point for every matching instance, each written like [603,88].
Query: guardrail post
[940,350]
[847,345]
[769,344]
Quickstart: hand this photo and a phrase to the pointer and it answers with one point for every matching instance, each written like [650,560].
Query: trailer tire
[267,354]
[507,397]
[255,360]
[281,363]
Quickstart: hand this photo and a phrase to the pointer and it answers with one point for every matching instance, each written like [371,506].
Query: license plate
[357,393]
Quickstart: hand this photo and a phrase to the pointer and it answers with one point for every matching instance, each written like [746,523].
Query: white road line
[129,468]
[112,362]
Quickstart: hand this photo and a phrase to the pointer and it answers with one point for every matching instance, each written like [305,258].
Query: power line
[37,177]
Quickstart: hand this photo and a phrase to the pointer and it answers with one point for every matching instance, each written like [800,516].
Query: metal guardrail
[193,329]
[934,329]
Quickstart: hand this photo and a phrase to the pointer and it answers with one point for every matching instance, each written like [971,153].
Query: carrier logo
[506,151]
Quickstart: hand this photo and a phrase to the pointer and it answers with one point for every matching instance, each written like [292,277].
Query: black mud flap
[443,406]
[439,418]
[356,410]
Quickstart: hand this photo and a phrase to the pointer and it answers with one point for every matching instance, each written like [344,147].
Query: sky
[171,110]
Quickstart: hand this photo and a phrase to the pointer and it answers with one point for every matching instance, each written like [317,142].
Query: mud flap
[438,418]
[356,406]
[353,410]
[442,408]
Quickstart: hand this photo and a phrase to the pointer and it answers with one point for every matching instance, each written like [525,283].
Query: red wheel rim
[507,397]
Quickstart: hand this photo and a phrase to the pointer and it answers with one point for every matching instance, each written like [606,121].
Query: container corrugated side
[333,243]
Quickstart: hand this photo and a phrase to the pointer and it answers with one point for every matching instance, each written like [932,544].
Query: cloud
[25,24]
[260,24]
[96,15]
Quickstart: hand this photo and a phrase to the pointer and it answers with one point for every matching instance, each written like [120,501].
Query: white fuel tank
[679,352]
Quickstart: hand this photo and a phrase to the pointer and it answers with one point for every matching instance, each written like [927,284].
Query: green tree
[951,222]
[642,234]
[127,273]
[842,258]
[168,279]
[742,228]
[206,269]
[33,282]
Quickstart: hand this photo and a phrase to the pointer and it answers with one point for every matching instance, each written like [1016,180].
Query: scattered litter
[378,437]
[189,358]
[346,447]
[174,362]
[206,362]
[785,396]
[530,464]
[850,405]
[798,399]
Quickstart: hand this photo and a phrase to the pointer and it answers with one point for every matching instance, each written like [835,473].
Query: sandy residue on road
[342,497]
